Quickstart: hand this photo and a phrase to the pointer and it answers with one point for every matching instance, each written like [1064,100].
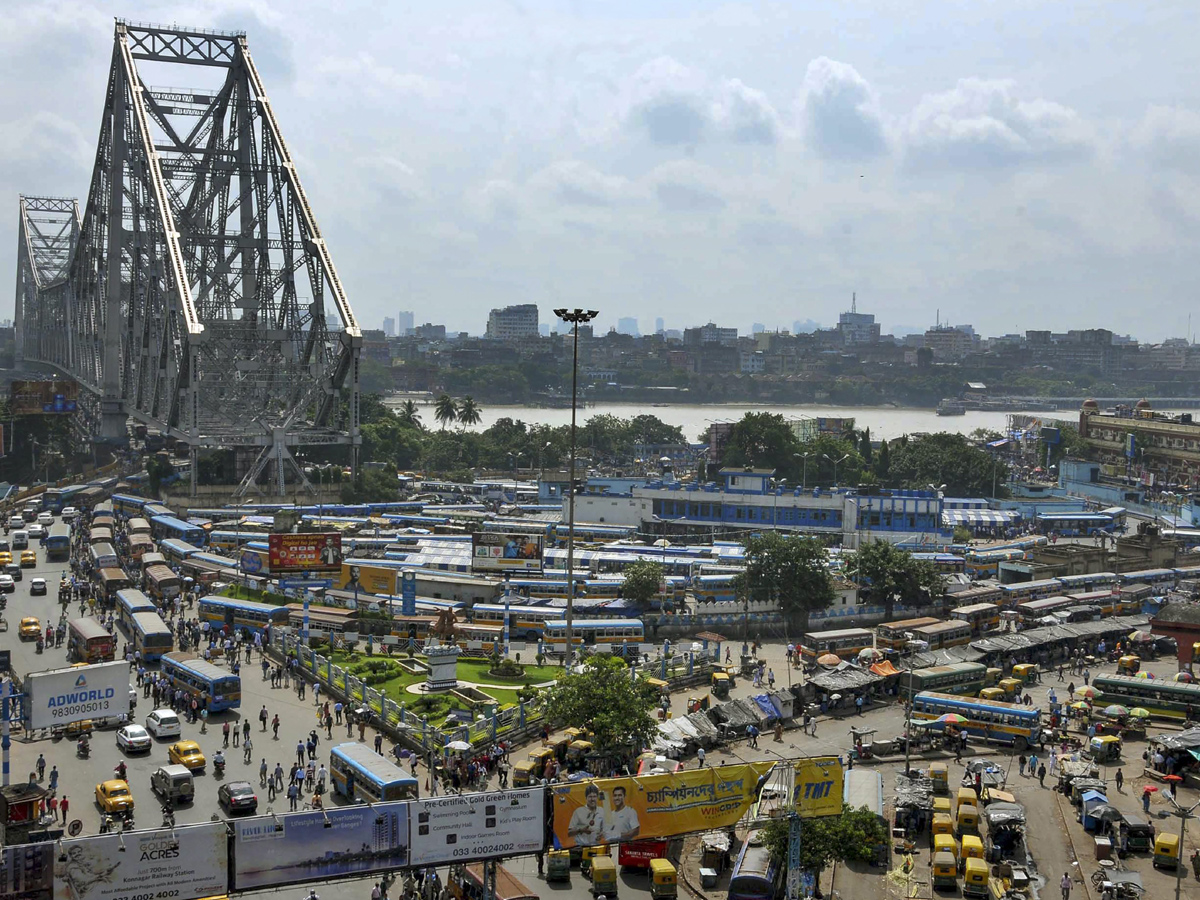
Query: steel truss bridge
[190,294]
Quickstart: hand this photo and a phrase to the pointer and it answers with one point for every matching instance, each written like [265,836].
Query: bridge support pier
[113,422]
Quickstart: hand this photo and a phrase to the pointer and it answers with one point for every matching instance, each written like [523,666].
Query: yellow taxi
[113,796]
[30,628]
[28,559]
[186,754]
[5,557]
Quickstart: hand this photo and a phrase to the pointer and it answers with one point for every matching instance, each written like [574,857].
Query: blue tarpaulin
[764,703]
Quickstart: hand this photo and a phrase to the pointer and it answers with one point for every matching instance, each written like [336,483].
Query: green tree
[849,837]
[789,572]
[410,414]
[887,574]
[823,451]
[864,446]
[468,411]
[374,377]
[158,467]
[375,485]
[764,440]
[445,410]
[605,699]
[642,580]
[371,408]
[948,459]
[1069,444]
[883,462]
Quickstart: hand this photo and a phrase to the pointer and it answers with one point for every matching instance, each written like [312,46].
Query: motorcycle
[120,770]
[41,644]
[168,815]
[83,750]
[219,766]
[105,824]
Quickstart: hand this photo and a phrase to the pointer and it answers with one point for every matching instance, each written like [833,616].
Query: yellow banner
[818,786]
[610,810]
[371,579]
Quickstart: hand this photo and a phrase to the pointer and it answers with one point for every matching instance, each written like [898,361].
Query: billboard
[477,826]
[190,860]
[501,551]
[313,846]
[38,397]
[609,810]
[311,552]
[27,872]
[818,786]
[370,579]
[61,696]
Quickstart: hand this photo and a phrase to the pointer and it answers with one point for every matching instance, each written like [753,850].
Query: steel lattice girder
[191,294]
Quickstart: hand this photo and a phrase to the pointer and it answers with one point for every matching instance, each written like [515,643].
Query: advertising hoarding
[38,397]
[182,864]
[370,579]
[818,786]
[27,872]
[314,552]
[501,551]
[62,696]
[310,846]
[609,810]
[477,826]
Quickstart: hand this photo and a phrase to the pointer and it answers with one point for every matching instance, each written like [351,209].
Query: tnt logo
[81,681]
[817,790]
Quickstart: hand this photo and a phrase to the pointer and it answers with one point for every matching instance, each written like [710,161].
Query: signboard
[312,552]
[408,593]
[499,551]
[370,579]
[609,810]
[61,696]
[254,562]
[818,786]
[190,860]
[38,397]
[477,826]
[340,842]
[27,872]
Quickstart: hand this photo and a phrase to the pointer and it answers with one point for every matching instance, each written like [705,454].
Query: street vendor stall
[1005,831]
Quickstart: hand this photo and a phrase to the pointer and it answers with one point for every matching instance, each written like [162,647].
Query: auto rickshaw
[975,878]
[539,757]
[942,824]
[945,871]
[941,805]
[604,876]
[972,846]
[1139,834]
[1026,673]
[588,857]
[559,747]
[940,776]
[1128,665]
[558,865]
[992,677]
[967,797]
[577,753]
[967,820]
[1166,850]
[720,685]
[697,704]
[1105,748]
[522,773]
[993,694]
[663,879]
[944,843]
[1010,686]
[576,734]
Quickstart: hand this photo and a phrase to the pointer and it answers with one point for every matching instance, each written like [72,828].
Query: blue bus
[359,773]
[213,686]
[57,542]
[1006,723]
[130,601]
[151,636]
[244,614]
[55,498]
[152,509]
[127,505]
[176,551]
[169,527]
[755,875]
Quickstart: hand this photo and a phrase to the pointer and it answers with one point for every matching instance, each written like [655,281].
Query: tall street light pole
[572,317]
[908,639]
[1184,815]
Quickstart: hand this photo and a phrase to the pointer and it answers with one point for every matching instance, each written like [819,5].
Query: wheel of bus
[1020,744]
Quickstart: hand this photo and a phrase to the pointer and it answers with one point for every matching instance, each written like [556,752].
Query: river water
[694,419]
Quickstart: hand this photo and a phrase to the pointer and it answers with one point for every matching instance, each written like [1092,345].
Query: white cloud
[391,177]
[363,70]
[1170,137]
[982,124]
[686,186]
[841,113]
[575,183]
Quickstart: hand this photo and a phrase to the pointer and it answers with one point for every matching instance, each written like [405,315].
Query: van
[174,783]
[20,540]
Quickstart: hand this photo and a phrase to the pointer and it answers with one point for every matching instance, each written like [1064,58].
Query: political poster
[500,551]
[340,842]
[610,810]
[27,872]
[62,696]
[180,864]
[817,787]
[477,826]
[308,552]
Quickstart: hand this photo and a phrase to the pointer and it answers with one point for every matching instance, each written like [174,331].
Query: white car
[37,586]
[69,513]
[16,522]
[37,531]
[133,739]
[45,518]
[7,585]
[163,723]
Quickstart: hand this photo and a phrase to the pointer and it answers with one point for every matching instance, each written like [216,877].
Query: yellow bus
[982,617]
[890,635]
[940,635]
[845,642]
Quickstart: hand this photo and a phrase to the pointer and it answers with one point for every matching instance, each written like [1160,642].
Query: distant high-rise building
[758,328]
[512,323]
[628,325]
[389,326]
[856,327]
[430,332]
[404,322]
[659,325]
[544,329]
[709,334]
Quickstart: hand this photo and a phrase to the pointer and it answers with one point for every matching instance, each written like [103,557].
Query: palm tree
[410,414]
[445,410]
[468,412]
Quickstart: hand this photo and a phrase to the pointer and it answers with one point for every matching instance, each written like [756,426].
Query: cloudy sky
[1012,164]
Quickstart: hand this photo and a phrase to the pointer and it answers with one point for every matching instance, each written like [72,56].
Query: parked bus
[169,527]
[151,635]
[986,563]
[132,601]
[591,632]
[323,621]
[955,678]
[982,617]
[214,687]
[128,505]
[715,588]
[1014,594]
[244,614]
[945,563]
[113,580]
[941,635]
[1159,579]
[1094,581]
[845,642]
[57,542]
[89,642]
[98,534]
[103,556]
[863,789]
[524,622]
[151,509]
[139,546]
[358,773]
[1110,601]
[1007,723]
[979,594]
[755,875]
[892,635]
[152,559]
[88,498]
[138,525]
[1166,699]
[162,583]
[1074,524]
[176,551]
[465,882]
[1032,610]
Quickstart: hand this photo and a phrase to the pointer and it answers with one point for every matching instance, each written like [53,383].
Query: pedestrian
[1021,763]
[1065,885]
[279,775]
[337,712]
[858,703]
[41,767]
[1120,780]
[52,807]
[299,753]
[246,730]
[541,863]
[237,735]
[329,726]
[317,693]
[1146,801]
[771,678]
[300,684]
[700,757]
[275,726]
[1071,690]
[1042,774]
[1087,676]
[225,735]
[293,794]
[263,716]
[1061,669]
[1033,764]
[262,773]
[53,779]
[379,744]
[63,805]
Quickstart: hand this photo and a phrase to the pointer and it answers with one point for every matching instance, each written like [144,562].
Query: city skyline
[702,159]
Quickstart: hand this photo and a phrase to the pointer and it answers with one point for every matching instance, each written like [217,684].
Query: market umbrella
[869,654]
[458,745]
[1145,674]
[1139,712]
[829,659]
[1185,677]
[952,719]
[1087,692]
[1116,710]
[1140,636]
[1081,704]
[1149,789]
[835,696]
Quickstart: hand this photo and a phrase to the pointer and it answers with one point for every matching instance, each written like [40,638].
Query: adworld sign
[62,696]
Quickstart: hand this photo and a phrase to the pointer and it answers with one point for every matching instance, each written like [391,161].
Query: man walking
[1065,885]
[1120,780]
[263,716]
